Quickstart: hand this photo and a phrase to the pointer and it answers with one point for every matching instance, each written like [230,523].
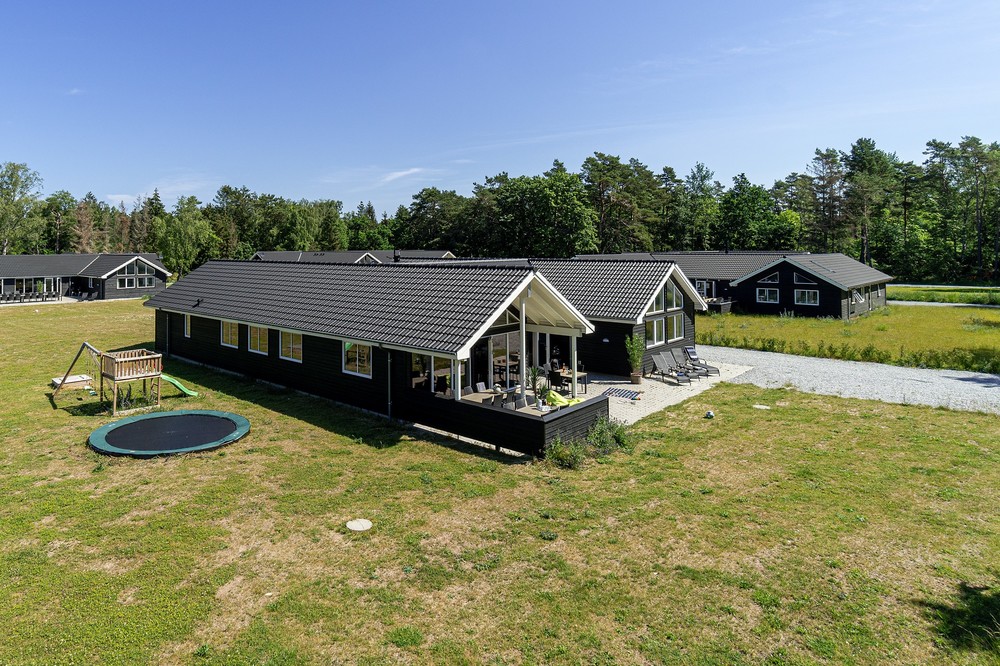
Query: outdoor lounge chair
[466,390]
[480,387]
[664,369]
[696,360]
[680,361]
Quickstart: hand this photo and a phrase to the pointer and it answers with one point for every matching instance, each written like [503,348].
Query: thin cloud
[172,188]
[72,92]
[396,175]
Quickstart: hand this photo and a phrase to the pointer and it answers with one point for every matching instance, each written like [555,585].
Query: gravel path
[966,391]
[935,304]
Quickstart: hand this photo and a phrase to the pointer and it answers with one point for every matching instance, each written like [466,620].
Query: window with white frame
[802,279]
[358,359]
[230,334]
[807,297]
[673,296]
[859,298]
[291,346]
[654,332]
[257,339]
[668,298]
[136,274]
[767,295]
[702,287]
[187,326]
[770,279]
[675,326]
[657,305]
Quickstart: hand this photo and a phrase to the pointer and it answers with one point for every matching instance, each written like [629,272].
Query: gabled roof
[68,265]
[436,308]
[620,290]
[708,265]
[106,264]
[351,256]
[837,269]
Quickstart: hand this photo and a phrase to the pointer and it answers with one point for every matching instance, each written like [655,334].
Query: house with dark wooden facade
[417,342]
[652,299]
[813,285]
[829,285]
[85,276]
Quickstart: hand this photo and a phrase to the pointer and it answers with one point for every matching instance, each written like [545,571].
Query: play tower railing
[131,364]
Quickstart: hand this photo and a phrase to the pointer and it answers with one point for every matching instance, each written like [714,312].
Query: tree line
[938,220]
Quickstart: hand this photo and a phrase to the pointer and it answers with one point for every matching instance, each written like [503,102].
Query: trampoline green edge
[98,439]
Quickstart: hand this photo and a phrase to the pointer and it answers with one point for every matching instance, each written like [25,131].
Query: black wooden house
[416,342]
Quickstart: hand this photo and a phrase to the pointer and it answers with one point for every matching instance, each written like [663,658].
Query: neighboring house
[92,276]
[353,256]
[813,285]
[623,298]
[710,272]
[400,339]
[838,287]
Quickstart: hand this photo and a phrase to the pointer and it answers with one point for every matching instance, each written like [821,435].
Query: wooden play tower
[119,367]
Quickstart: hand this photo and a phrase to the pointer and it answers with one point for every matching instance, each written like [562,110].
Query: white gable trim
[136,258]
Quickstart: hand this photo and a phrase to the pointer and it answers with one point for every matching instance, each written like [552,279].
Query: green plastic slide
[183,389]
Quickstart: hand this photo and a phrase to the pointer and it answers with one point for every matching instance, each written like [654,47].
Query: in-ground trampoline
[165,433]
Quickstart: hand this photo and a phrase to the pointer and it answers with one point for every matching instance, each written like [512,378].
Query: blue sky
[374,101]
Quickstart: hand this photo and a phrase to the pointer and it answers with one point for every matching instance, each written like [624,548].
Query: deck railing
[131,364]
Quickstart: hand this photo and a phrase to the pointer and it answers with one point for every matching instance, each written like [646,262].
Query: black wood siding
[110,288]
[832,300]
[320,372]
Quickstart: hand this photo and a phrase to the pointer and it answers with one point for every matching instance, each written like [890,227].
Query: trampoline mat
[169,433]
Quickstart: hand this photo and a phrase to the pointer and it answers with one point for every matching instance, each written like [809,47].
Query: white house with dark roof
[421,342]
[86,276]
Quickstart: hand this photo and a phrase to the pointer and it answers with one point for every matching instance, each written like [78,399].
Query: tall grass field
[907,335]
[819,531]
[969,295]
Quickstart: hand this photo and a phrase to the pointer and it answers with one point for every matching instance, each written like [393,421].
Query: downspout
[388,383]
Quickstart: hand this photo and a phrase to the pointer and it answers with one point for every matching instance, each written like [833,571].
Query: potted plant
[635,348]
[536,376]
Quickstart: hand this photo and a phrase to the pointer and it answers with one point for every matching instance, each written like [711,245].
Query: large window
[136,274]
[230,334]
[767,295]
[654,332]
[358,359]
[668,298]
[801,279]
[291,346]
[806,297]
[703,287]
[257,342]
[675,326]
[770,279]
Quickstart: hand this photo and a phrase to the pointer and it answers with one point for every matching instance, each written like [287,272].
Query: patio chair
[556,381]
[680,361]
[692,356]
[520,403]
[480,387]
[665,370]
[510,404]
[466,390]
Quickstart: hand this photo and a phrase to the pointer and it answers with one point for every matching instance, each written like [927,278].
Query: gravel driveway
[967,391]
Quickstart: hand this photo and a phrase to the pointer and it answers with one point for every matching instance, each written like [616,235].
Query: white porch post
[534,349]
[524,346]
[456,379]
[572,360]
[548,349]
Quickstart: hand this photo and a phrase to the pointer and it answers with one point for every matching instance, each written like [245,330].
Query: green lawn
[910,335]
[821,531]
[975,295]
